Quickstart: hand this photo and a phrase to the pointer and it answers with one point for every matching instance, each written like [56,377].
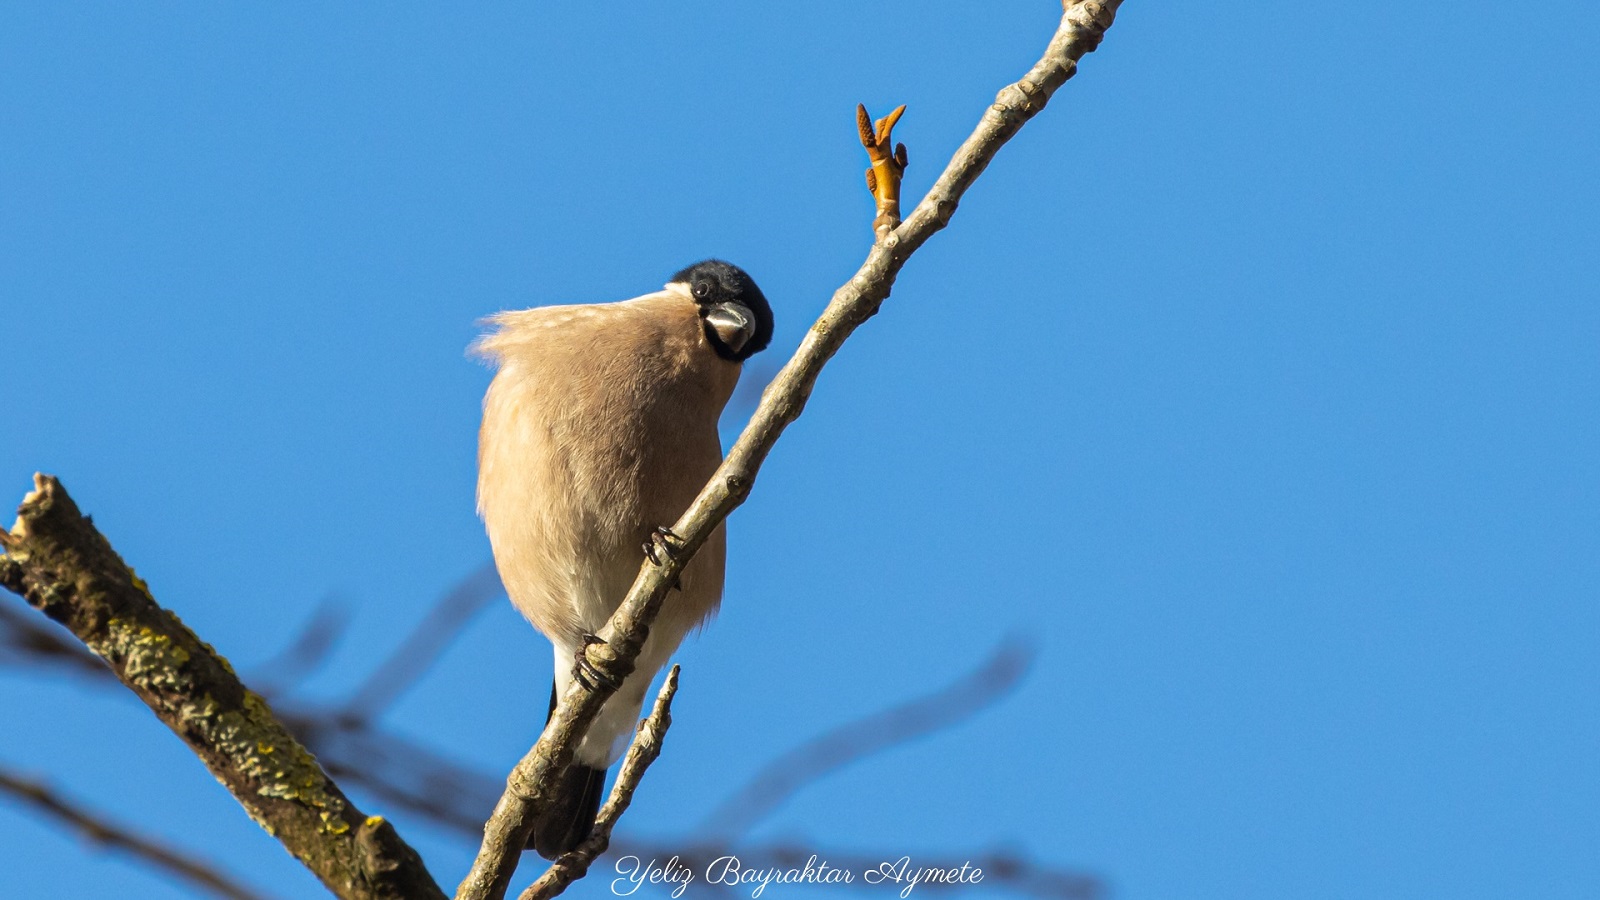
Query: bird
[599,429]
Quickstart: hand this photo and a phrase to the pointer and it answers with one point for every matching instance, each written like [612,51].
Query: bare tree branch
[103,831]
[65,568]
[531,782]
[834,749]
[642,752]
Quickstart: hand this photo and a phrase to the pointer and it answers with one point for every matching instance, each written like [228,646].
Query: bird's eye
[701,290]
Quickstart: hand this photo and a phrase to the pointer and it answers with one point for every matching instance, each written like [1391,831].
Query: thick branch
[58,561]
[530,782]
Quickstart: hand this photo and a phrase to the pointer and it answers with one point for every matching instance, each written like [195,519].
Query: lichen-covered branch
[106,833]
[1083,24]
[642,752]
[63,566]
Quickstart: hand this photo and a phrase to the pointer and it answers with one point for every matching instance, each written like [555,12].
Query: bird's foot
[585,671]
[664,543]
[888,166]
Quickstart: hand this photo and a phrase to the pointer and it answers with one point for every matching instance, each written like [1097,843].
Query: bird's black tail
[570,816]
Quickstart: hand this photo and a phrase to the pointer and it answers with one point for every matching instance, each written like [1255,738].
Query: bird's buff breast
[600,425]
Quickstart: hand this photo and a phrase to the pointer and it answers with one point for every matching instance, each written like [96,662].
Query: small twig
[532,781]
[840,746]
[101,830]
[642,752]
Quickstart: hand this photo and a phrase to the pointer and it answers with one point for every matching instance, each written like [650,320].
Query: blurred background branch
[99,829]
[788,774]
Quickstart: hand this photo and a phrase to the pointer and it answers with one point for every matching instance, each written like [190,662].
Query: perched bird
[599,428]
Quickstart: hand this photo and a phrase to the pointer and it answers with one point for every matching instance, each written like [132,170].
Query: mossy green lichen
[283,770]
[147,657]
[212,651]
[332,824]
[249,737]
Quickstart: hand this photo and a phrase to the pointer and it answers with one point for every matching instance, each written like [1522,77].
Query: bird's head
[737,318]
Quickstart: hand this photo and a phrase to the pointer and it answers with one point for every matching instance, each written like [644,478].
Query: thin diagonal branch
[103,831]
[531,782]
[642,752]
[846,743]
[65,568]
[309,650]
[426,642]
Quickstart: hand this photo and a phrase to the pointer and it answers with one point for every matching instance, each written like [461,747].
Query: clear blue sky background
[1257,380]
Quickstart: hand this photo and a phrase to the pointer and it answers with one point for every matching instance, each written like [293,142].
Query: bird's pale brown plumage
[600,425]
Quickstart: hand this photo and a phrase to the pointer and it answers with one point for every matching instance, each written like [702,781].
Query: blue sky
[1256,381]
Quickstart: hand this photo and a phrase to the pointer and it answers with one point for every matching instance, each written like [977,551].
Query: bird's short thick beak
[733,324]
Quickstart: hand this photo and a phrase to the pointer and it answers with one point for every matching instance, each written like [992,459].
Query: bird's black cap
[714,282]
